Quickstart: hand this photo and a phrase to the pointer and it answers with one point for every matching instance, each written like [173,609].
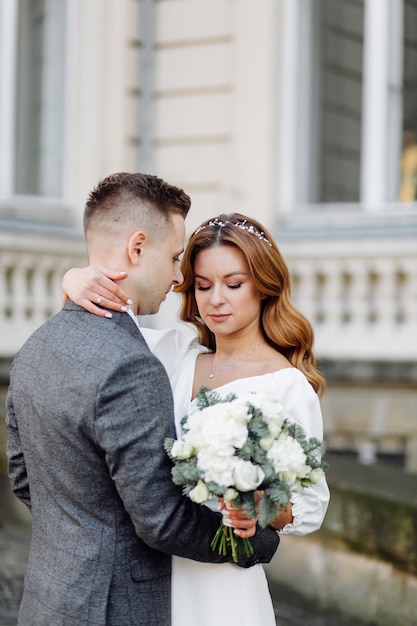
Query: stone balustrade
[361,296]
[32,263]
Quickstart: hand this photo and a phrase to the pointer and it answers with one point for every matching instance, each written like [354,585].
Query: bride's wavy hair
[283,326]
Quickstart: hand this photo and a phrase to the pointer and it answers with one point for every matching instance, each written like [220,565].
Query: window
[349,113]
[340,72]
[408,184]
[33,105]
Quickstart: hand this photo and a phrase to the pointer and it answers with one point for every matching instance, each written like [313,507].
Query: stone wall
[370,409]
[363,562]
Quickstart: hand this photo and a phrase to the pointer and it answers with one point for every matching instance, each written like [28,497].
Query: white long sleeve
[302,404]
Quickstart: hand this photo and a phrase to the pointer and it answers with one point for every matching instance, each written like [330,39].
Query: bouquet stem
[225,540]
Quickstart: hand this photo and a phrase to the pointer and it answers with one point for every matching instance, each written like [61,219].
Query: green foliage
[218,490]
[184,473]
[247,451]
[267,511]
[207,397]
[315,450]
[278,492]
[247,502]
[257,427]
[267,468]
[295,430]
[168,443]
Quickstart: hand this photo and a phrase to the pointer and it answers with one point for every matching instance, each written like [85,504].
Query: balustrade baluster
[408,296]
[384,301]
[5,265]
[358,294]
[332,304]
[305,295]
[40,291]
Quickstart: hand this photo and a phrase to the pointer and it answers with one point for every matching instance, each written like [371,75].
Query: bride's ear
[136,244]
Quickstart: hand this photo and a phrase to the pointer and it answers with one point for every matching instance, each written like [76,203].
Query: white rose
[193,431]
[200,493]
[219,427]
[238,411]
[275,425]
[230,494]
[196,439]
[266,402]
[286,455]
[181,450]
[290,478]
[216,468]
[316,475]
[272,408]
[247,476]
[266,442]
[275,419]
[223,432]
[272,411]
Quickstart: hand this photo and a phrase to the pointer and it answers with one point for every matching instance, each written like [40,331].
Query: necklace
[229,363]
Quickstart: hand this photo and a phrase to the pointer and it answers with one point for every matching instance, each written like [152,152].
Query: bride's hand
[283,517]
[91,285]
[243,525]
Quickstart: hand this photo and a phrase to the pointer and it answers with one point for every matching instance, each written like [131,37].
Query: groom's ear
[135,246]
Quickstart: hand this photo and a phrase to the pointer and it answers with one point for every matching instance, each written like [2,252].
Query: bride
[236,293]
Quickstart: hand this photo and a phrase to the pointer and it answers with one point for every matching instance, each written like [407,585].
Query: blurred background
[301,113]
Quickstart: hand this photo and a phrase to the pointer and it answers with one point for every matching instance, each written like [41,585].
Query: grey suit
[88,409]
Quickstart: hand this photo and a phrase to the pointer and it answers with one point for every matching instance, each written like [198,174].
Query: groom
[88,410]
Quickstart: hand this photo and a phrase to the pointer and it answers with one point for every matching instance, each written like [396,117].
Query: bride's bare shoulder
[274,360]
[202,370]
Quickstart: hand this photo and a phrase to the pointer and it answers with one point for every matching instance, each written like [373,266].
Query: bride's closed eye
[206,288]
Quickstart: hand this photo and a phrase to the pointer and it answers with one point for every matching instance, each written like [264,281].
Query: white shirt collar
[133,316]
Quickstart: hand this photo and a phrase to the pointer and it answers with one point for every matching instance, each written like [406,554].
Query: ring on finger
[99,300]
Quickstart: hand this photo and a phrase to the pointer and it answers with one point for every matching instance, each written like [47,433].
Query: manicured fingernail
[121,273]
[109,315]
[124,308]
[227,521]
[129,302]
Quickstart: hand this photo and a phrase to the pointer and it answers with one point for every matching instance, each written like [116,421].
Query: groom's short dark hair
[118,193]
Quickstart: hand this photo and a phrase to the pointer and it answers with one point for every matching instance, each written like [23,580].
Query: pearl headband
[242,225]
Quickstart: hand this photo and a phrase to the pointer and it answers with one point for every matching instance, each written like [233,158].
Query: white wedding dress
[205,594]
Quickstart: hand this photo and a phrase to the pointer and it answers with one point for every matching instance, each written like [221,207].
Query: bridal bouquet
[234,446]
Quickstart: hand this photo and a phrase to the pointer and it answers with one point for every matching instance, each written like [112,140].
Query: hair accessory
[242,225]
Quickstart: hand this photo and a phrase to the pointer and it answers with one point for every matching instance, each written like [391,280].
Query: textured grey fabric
[88,409]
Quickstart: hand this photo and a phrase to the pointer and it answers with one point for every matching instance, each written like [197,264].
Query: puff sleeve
[302,404]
